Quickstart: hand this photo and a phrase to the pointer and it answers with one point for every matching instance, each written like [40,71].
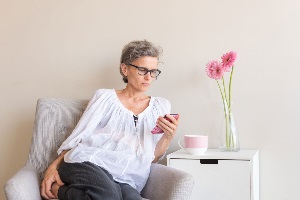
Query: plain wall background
[69,49]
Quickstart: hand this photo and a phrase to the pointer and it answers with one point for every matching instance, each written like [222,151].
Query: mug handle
[180,144]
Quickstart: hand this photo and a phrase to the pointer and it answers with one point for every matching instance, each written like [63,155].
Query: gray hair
[137,49]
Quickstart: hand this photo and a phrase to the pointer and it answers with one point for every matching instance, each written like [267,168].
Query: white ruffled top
[107,136]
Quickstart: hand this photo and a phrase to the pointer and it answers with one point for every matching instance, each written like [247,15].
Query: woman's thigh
[81,173]
[87,179]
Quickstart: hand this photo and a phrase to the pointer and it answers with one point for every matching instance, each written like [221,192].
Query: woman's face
[136,81]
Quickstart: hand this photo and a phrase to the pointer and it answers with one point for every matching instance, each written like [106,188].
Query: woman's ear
[124,69]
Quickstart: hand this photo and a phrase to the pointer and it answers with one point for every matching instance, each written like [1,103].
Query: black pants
[87,181]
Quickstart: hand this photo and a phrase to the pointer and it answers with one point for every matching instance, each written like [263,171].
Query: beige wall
[69,49]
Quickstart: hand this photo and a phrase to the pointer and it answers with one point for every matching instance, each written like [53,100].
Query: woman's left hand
[169,128]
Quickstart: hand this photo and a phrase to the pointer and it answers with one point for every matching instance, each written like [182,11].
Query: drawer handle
[209,161]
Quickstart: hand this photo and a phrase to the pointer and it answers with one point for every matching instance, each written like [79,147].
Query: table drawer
[217,179]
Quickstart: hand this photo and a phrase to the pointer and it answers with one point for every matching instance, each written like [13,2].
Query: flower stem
[225,107]
[224,88]
[229,103]
[222,95]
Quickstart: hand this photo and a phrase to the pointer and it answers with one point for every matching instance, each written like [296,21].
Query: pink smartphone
[157,130]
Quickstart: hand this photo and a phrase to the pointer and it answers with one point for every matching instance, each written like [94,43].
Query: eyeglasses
[144,71]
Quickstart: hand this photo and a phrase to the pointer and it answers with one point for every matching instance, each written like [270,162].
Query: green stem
[222,95]
[225,114]
[231,142]
[224,88]
[229,103]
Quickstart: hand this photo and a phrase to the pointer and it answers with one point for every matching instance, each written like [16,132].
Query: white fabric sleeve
[88,121]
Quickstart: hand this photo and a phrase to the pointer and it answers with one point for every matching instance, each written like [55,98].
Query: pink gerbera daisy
[228,60]
[214,70]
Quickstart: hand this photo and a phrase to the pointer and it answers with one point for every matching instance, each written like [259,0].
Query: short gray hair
[137,49]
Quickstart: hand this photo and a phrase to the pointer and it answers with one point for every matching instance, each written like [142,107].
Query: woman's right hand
[51,177]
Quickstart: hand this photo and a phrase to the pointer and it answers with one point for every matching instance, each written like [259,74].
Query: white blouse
[107,136]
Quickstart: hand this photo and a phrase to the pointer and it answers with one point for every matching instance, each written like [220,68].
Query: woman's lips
[145,84]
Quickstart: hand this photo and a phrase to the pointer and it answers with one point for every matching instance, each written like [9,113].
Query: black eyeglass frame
[147,70]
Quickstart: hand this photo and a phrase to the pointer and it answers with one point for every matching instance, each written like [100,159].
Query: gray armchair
[54,121]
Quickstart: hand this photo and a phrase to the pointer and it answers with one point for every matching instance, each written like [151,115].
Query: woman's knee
[129,193]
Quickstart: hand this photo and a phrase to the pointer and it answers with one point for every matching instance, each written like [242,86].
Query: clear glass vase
[229,138]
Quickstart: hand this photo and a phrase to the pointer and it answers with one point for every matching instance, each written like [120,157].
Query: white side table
[220,175]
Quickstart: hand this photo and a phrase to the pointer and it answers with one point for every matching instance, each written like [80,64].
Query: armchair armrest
[24,185]
[168,183]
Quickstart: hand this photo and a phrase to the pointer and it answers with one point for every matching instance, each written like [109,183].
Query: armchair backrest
[55,120]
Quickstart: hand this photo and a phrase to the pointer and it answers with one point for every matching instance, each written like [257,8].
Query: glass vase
[229,138]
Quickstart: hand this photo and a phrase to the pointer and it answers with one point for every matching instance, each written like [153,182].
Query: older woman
[109,153]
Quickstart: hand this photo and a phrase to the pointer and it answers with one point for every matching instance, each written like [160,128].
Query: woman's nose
[147,76]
